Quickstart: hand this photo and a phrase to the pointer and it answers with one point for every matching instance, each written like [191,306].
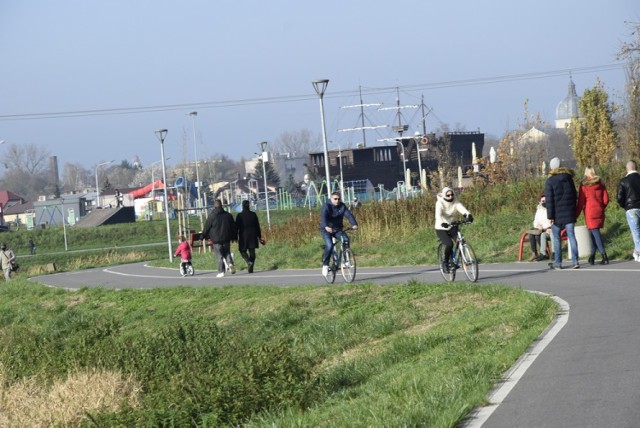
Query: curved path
[587,376]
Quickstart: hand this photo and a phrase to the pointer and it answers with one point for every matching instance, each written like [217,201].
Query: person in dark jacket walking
[221,230]
[628,197]
[249,234]
[331,224]
[561,196]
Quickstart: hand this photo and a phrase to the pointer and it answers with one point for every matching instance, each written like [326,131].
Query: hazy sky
[92,80]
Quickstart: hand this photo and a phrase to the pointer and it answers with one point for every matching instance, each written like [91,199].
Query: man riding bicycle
[331,224]
[447,206]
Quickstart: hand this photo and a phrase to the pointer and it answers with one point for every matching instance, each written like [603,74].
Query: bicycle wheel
[330,277]
[469,262]
[348,266]
[190,270]
[451,274]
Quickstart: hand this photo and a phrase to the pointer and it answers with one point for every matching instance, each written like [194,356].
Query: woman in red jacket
[593,199]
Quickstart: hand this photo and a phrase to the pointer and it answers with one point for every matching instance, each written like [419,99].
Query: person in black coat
[249,234]
[221,230]
[562,198]
[628,197]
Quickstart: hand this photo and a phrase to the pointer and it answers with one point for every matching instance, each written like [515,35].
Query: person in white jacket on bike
[447,209]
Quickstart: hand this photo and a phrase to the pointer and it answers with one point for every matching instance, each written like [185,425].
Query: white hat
[554,163]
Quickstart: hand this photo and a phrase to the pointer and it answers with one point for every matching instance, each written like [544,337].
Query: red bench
[196,241]
[563,237]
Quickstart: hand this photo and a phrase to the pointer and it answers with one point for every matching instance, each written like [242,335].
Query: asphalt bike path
[584,371]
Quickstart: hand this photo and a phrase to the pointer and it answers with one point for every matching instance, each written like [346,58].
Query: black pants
[248,254]
[446,239]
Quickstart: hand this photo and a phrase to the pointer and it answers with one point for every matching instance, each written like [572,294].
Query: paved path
[587,376]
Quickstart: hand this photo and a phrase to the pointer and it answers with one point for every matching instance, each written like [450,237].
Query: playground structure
[149,188]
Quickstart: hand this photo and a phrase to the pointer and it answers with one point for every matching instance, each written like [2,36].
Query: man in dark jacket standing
[221,230]
[249,234]
[628,197]
[561,196]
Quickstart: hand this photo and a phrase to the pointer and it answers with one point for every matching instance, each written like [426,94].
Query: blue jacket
[333,216]
[560,193]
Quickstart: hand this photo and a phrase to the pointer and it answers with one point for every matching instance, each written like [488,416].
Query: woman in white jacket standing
[447,209]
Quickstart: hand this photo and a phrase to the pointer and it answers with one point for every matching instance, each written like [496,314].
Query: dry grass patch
[28,403]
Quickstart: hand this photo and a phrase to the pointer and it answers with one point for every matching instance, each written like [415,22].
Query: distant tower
[53,170]
[568,108]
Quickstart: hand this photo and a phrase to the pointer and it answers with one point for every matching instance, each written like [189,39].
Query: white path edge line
[496,396]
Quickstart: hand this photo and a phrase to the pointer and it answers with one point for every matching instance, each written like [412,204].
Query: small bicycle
[343,259]
[462,255]
[186,268]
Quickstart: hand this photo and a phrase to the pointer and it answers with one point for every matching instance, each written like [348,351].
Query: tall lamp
[320,86]
[193,114]
[97,186]
[265,159]
[161,134]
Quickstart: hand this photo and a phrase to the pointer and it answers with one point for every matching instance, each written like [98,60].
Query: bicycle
[462,255]
[186,268]
[343,259]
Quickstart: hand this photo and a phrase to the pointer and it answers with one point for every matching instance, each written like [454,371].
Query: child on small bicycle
[447,207]
[184,252]
[331,224]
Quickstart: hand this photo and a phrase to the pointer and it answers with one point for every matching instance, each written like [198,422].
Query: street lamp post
[265,159]
[341,178]
[193,114]
[64,226]
[161,134]
[418,138]
[97,186]
[320,86]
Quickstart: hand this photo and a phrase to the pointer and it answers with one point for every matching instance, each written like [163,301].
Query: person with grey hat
[561,197]
[7,260]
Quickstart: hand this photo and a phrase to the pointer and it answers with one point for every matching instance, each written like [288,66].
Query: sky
[92,80]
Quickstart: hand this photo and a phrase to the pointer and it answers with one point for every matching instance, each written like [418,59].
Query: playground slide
[141,192]
[189,186]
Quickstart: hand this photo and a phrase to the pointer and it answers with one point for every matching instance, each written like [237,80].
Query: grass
[414,354]
[401,355]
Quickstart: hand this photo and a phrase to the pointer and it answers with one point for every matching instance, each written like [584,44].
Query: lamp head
[320,86]
[193,113]
[161,134]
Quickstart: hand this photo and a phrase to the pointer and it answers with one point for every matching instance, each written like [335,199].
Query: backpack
[14,266]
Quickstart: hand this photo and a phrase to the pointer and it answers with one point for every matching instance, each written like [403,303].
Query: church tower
[568,108]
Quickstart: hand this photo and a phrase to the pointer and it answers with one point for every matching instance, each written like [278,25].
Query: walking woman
[249,234]
[593,198]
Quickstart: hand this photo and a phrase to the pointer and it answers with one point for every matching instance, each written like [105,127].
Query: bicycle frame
[462,255]
[341,259]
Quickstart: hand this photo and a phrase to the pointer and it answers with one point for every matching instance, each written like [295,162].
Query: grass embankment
[353,355]
[366,355]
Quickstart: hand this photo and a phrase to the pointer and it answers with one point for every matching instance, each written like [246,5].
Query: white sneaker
[220,275]
[325,270]
[232,268]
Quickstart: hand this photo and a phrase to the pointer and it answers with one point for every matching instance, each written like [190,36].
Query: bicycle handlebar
[459,222]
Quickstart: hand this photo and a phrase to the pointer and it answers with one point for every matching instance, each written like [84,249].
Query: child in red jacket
[184,251]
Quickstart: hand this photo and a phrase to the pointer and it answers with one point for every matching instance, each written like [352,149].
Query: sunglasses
[449,195]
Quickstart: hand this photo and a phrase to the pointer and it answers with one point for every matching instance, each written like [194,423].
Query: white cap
[554,163]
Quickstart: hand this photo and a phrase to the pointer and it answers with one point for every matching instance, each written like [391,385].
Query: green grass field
[412,354]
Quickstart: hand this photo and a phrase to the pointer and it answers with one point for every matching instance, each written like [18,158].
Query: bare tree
[630,123]
[297,143]
[75,177]
[30,158]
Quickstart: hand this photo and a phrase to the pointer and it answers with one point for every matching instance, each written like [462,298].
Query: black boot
[250,269]
[592,259]
[605,259]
